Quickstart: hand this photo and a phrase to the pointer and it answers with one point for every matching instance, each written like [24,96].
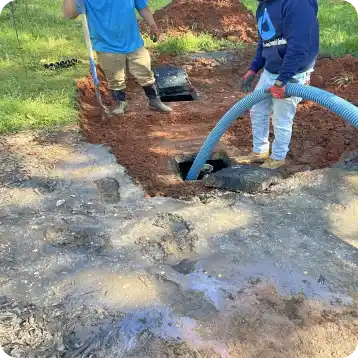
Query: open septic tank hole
[174,84]
[211,166]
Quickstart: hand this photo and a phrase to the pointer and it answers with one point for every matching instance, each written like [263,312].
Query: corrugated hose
[338,105]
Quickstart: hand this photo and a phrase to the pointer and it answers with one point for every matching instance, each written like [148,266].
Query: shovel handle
[88,43]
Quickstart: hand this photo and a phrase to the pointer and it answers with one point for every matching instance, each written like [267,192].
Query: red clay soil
[221,18]
[146,142]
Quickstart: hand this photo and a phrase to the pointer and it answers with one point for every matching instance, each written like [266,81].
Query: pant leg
[114,68]
[284,111]
[139,64]
[260,117]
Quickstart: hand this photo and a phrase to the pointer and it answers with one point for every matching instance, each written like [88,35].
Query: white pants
[283,112]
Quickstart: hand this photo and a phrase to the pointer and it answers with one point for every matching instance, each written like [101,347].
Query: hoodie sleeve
[299,17]
[258,62]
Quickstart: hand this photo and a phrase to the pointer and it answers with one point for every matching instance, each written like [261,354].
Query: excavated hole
[180,97]
[211,166]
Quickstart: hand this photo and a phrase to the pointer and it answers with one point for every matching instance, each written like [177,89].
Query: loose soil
[146,142]
[221,18]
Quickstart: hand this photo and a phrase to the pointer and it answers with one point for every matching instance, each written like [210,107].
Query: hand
[278,90]
[247,81]
[155,33]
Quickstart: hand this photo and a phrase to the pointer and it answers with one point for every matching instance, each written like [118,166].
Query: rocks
[109,189]
[244,178]
[348,161]
[60,202]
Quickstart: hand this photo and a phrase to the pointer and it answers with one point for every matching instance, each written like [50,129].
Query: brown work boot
[155,102]
[273,164]
[254,158]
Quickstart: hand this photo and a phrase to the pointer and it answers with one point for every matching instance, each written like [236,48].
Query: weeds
[343,81]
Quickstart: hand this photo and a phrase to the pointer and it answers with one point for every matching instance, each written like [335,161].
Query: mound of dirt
[221,18]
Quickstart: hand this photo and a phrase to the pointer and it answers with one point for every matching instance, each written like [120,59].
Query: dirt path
[91,267]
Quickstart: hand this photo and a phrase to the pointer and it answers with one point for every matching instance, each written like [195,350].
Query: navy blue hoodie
[288,37]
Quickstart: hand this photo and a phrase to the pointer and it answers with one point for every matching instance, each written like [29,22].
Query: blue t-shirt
[113,24]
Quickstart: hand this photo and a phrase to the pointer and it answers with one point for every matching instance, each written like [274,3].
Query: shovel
[91,60]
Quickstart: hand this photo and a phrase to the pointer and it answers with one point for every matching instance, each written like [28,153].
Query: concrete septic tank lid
[244,178]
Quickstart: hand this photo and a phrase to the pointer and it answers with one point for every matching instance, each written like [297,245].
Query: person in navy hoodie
[287,50]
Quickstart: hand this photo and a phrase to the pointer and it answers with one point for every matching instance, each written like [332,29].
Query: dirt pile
[221,18]
[319,136]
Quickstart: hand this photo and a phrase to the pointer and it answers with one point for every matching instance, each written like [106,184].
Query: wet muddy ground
[92,267]
[319,136]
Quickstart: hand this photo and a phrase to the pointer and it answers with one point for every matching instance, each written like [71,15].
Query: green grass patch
[339,26]
[32,97]
[193,43]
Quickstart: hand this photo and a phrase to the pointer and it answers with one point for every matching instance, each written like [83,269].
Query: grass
[32,97]
[192,43]
[339,26]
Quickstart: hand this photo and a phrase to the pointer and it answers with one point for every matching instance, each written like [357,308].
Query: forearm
[147,15]
[69,9]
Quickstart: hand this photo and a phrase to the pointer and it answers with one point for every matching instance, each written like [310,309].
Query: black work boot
[121,105]
[155,102]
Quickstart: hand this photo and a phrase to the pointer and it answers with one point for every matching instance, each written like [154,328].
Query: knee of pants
[139,64]
[114,68]
[261,110]
[284,111]
[116,85]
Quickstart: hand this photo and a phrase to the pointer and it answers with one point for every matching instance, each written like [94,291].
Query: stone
[109,189]
[243,178]
[60,202]
[348,161]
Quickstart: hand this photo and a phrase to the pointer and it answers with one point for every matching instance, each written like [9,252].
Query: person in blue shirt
[287,50]
[115,36]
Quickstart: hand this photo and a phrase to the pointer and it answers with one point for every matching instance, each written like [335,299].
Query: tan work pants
[114,66]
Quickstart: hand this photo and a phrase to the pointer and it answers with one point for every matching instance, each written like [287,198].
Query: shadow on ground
[92,267]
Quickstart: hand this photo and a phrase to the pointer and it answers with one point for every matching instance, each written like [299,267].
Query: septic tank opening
[179,97]
[211,166]
[174,85]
